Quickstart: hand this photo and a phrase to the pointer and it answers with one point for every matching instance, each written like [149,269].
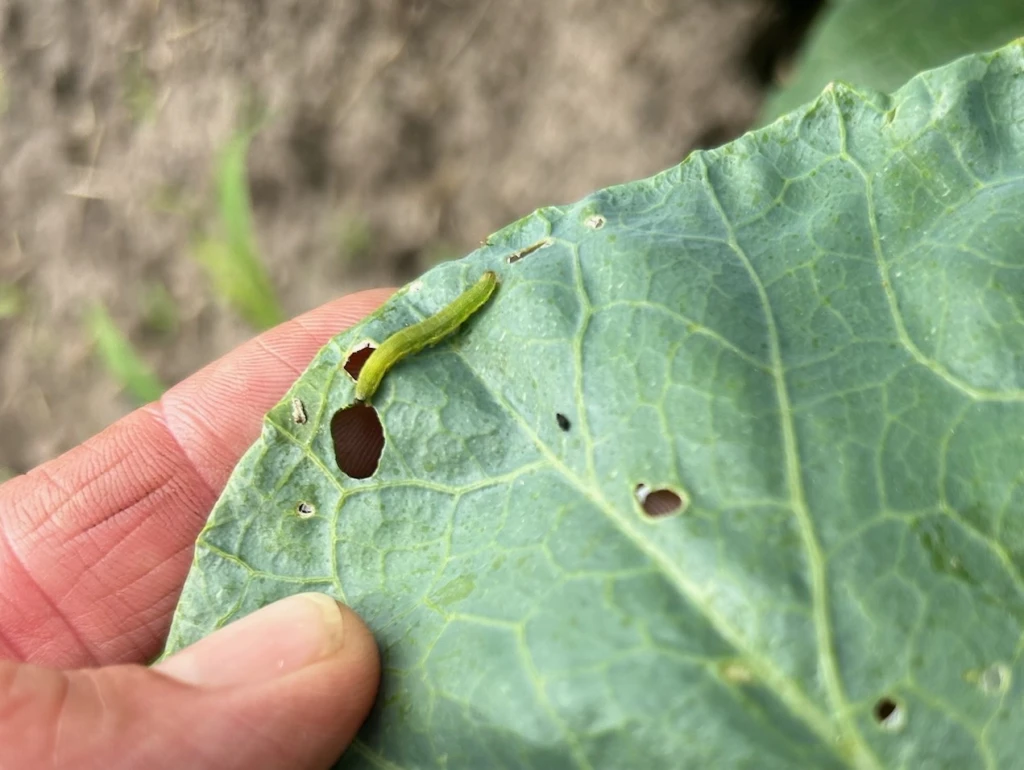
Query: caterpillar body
[427,332]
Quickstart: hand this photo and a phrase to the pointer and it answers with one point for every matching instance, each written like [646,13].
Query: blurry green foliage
[881,44]
[121,358]
[229,255]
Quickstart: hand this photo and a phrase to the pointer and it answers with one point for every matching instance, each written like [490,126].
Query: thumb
[285,687]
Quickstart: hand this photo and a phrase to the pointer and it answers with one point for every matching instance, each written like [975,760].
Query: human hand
[94,548]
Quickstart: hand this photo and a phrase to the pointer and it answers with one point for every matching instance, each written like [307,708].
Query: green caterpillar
[427,332]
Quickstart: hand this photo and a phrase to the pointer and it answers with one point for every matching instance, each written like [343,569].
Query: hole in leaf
[515,256]
[298,412]
[356,359]
[888,713]
[305,510]
[358,440]
[660,503]
[595,222]
[563,421]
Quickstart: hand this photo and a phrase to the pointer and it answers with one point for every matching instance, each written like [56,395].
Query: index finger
[95,545]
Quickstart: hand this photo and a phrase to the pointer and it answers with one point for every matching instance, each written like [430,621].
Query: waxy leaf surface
[814,338]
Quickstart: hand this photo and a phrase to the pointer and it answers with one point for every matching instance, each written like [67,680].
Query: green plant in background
[139,89]
[229,255]
[726,474]
[881,44]
[354,237]
[121,359]
[160,311]
[12,300]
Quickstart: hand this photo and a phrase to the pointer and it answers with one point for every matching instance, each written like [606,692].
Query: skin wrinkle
[289,366]
[153,629]
[21,510]
[8,645]
[63,521]
[44,471]
[117,551]
[115,617]
[8,678]
[94,559]
[63,707]
[161,416]
[94,473]
[121,460]
[8,548]
[89,532]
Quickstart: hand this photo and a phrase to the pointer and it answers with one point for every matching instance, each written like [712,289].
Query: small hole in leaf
[358,440]
[305,510]
[563,421]
[595,222]
[356,359]
[660,503]
[888,713]
[298,412]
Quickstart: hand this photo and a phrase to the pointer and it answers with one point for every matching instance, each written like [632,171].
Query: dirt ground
[401,132]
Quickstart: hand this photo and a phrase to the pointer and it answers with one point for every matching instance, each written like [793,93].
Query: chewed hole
[563,421]
[305,510]
[888,714]
[358,438]
[298,412]
[595,222]
[515,256]
[660,503]
[356,359]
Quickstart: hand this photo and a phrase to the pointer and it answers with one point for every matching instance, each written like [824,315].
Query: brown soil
[400,132]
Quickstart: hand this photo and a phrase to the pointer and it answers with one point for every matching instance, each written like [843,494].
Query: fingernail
[277,640]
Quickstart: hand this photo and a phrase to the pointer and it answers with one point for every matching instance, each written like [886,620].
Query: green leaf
[812,340]
[880,44]
[121,359]
[230,256]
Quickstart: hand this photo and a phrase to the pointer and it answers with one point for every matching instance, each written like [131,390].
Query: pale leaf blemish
[736,672]
[298,412]
[995,680]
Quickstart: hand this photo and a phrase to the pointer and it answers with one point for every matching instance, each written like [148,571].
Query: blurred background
[176,175]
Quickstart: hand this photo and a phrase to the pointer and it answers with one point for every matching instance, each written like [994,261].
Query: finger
[94,546]
[286,687]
